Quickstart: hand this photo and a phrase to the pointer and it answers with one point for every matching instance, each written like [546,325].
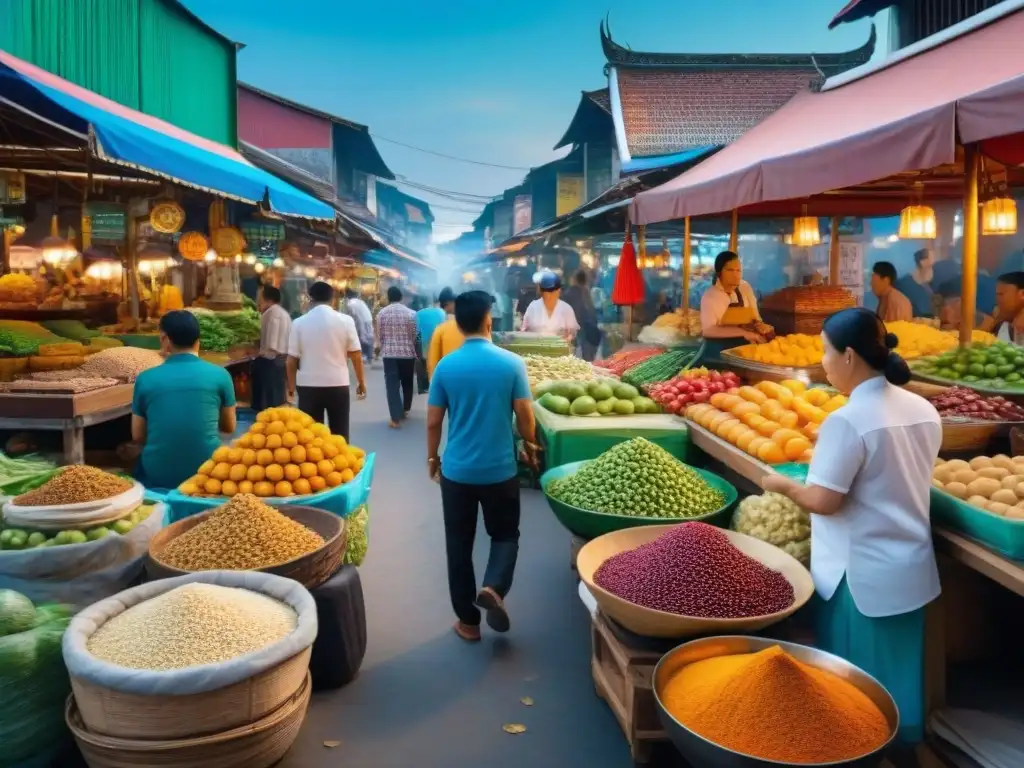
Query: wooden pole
[833,253]
[969,280]
[6,239]
[687,253]
[734,232]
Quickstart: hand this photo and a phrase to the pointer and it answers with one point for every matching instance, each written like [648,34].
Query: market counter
[567,439]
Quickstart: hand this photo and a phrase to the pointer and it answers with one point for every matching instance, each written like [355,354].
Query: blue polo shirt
[181,402]
[477,384]
[427,321]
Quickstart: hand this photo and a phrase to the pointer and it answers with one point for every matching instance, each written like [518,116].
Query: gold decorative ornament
[193,246]
[167,217]
[227,241]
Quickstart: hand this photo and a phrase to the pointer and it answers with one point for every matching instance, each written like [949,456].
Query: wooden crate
[623,678]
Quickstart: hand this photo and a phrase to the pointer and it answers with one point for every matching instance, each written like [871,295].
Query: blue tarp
[638,164]
[121,140]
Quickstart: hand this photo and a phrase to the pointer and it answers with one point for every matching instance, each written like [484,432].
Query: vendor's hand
[774,483]
[753,338]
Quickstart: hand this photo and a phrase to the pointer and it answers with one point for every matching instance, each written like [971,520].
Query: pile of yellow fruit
[772,422]
[797,350]
[285,453]
[918,340]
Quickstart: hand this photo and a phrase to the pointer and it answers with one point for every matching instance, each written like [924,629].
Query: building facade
[911,21]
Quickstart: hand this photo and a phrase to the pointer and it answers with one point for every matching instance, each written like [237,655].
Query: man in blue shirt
[479,386]
[427,321]
[179,406]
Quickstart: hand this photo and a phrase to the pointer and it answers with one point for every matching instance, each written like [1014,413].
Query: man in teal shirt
[179,407]
[427,321]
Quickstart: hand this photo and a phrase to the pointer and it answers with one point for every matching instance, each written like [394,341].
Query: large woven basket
[106,712]
[310,570]
[258,745]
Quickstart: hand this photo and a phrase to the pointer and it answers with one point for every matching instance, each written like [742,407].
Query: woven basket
[105,712]
[961,437]
[310,570]
[259,745]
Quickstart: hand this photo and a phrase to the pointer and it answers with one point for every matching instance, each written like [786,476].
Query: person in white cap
[550,315]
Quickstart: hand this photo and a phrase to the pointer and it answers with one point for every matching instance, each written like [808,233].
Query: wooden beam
[833,253]
[734,231]
[972,233]
[687,253]
[6,239]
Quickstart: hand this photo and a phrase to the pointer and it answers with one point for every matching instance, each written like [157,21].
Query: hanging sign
[12,188]
[193,246]
[522,215]
[167,217]
[227,241]
[105,222]
[569,194]
[851,269]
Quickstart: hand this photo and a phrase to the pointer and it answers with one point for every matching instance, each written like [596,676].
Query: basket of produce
[809,300]
[77,496]
[777,520]
[623,360]
[995,368]
[693,386]
[300,543]
[663,367]
[635,483]
[984,499]
[191,656]
[704,694]
[566,368]
[531,344]
[692,579]
[598,397]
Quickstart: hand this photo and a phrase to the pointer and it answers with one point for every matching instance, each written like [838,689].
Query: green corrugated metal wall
[146,54]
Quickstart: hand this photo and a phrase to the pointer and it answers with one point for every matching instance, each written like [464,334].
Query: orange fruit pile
[775,423]
[285,453]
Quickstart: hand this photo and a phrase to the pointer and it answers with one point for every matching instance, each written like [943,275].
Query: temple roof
[827,64]
[592,119]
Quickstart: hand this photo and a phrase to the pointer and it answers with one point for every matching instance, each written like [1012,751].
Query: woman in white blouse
[728,309]
[868,491]
[549,314]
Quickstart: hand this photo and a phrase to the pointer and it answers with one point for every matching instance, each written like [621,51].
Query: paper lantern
[917,222]
[999,216]
[629,286]
[193,246]
[806,232]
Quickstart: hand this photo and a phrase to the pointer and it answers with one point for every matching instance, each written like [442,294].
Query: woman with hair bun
[729,316]
[868,490]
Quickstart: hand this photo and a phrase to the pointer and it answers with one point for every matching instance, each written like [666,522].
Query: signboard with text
[522,215]
[569,193]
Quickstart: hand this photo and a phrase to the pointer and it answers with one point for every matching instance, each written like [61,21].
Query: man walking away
[269,369]
[578,297]
[364,323]
[427,321]
[396,332]
[479,386]
[447,337]
[321,343]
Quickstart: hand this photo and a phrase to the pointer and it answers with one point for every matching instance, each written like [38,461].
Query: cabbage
[777,520]
[357,525]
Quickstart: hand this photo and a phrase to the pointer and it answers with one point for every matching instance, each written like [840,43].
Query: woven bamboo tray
[115,714]
[964,436]
[311,570]
[258,745]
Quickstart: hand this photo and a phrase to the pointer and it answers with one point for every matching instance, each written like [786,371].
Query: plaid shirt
[396,331]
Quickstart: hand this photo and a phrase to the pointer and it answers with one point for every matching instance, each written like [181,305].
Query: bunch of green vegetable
[33,679]
[778,520]
[243,325]
[661,367]
[640,479]
[214,335]
[357,528]
[20,338]
[18,475]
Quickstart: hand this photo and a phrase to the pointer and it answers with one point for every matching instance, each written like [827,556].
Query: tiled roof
[669,111]
[600,97]
[593,116]
[827,63]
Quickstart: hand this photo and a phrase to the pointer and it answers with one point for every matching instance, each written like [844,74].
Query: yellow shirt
[446,339]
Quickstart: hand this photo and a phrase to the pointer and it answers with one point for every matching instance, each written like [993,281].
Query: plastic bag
[358,535]
[203,677]
[81,574]
[35,686]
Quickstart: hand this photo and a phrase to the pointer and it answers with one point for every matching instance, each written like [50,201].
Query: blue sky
[497,82]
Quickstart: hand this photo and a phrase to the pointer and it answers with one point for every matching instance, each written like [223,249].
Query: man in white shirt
[269,369]
[321,343]
[364,322]
[550,315]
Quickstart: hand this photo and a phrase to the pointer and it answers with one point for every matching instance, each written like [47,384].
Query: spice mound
[74,485]
[243,535]
[771,706]
[123,363]
[694,570]
[191,625]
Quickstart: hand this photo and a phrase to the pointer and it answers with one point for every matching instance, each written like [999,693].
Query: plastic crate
[1001,534]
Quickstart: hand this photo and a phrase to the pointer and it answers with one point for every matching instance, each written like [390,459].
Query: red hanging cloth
[629,285]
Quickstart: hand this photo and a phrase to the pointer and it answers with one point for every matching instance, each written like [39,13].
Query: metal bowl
[707,754]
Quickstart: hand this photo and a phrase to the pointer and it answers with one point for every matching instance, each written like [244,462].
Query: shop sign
[167,217]
[848,225]
[106,222]
[569,193]
[851,269]
[523,213]
[12,188]
[193,246]
[227,242]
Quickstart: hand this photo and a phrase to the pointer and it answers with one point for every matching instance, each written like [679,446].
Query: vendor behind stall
[1008,322]
[550,315]
[867,490]
[728,309]
[179,407]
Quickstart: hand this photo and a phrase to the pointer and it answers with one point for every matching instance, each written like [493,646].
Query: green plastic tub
[998,533]
[590,525]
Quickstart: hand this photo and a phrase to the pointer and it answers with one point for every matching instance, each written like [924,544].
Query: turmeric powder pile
[770,706]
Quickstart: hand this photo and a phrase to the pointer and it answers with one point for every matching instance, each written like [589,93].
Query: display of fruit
[22,538]
[284,453]
[994,484]
[598,397]
[676,394]
[966,403]
[998,366]
[686,322]
[797,350]
[567,368]
[528,344]
[661,367]
[640,479]
[778,520]
[919,340]
[775,423]
[621,362]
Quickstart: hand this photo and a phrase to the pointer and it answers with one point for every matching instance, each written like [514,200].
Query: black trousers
[398,374]
[330,401]
[422,380]
[268,382]
[500,504]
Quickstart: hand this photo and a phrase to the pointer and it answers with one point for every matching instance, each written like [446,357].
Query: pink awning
[897,119]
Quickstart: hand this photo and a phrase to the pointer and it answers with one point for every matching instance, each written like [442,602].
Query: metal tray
[812,374]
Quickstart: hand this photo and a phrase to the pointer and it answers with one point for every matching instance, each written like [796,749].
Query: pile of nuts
[122,363]
[76,384]
[191,625]
[243,535]
[73,485]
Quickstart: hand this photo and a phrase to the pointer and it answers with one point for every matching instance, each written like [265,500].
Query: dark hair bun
[891,341]
[896,369]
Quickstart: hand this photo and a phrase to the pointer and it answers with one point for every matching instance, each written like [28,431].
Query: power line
[450,157]
[466,197]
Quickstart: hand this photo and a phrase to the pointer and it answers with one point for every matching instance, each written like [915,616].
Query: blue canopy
[126,137]
[638,164]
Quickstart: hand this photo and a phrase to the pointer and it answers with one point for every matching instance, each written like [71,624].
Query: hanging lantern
[806,232]
[628,288]
[193,246]
[917,222]
[999,216]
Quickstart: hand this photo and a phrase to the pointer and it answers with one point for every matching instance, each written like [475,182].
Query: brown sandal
[467,632]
